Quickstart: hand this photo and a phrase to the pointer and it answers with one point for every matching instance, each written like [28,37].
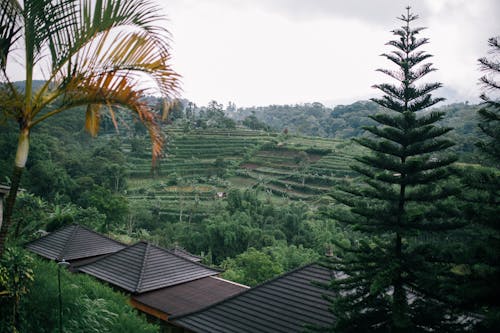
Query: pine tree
[401,209]
[481,205]
[490,113]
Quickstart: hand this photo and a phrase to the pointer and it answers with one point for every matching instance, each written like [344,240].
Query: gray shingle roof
[144,267]
[183,253]
[73,242]
[284,304]
[190,296]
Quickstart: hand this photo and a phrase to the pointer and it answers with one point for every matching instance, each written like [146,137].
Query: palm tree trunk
[20,163]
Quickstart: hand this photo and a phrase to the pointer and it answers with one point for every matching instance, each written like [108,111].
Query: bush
[88,305]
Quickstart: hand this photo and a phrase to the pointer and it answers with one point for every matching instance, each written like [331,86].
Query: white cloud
[286,51]
[263,52]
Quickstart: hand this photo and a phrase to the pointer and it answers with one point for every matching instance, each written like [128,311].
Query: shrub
[88,305]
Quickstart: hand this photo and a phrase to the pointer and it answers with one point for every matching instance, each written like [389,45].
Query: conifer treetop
[406,96]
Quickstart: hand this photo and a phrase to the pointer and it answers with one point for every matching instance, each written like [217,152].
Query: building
[76,244]
[289,303]
[160,282]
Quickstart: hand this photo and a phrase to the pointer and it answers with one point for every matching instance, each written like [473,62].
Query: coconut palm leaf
[93,53]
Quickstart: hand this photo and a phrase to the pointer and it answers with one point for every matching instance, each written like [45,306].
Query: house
[160,282]
[144,267]
[288,303]
[76,244]
[186,297]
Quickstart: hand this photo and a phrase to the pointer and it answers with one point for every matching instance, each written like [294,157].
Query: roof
[144,267]
[73,242]
[285,304]
[190,296]
[183,253]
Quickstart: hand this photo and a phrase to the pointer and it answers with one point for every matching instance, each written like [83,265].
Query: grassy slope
[200,163]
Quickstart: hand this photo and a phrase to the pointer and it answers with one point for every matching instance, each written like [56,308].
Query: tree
[16,277]
[93,53]
[490,113]
[251,267]
[481,206]
[389,271]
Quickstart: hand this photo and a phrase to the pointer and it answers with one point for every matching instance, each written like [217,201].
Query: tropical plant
[88,305]
[91,53]
[392,269]
[16,277]
[251,267]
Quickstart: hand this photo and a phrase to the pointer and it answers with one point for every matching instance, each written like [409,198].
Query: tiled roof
[285,304]
[144,267]
[190,296]
[183,253]
[73,242]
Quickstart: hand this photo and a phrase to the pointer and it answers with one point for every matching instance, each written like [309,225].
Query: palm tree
[91,53]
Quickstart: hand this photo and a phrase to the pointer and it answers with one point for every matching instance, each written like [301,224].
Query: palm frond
[10,28]
[110,89]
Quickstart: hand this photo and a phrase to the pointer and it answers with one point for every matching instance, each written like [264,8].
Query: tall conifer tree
[490,113]
[400,207]
[481,205]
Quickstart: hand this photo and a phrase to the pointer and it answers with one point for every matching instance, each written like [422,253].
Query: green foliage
[16,279]
[490,113]
[95,316]
[254,123]
[34,213]
[88,305]
[68,170]
[16,274]
[291,256]
[479,266]
[84,67]
[405,199]
[113,205]
[251,267]
[248,221]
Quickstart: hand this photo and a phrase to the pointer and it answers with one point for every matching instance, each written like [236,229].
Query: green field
[200,165]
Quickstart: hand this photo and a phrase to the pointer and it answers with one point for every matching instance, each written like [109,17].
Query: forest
[400,193]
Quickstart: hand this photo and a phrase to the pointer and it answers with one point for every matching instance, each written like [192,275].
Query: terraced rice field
[201,165]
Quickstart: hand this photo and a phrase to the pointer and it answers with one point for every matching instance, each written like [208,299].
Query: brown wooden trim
[149,310]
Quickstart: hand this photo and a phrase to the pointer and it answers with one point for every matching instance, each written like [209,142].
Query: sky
[262,52]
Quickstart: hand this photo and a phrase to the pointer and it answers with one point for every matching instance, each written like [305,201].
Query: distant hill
[347,121]
[36,84]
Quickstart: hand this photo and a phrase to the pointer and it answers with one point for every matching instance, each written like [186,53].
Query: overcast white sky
[260,52]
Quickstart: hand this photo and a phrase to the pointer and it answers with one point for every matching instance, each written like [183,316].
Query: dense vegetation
[347,121]
[260,191]
[275,210]
[89,305]
[405,196]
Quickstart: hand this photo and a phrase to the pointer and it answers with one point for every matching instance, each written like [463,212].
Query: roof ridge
[245,291]
[143,267]
[80,226]
[185,259]
[68,242]
[181,249]
[109,254]
[99,234]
